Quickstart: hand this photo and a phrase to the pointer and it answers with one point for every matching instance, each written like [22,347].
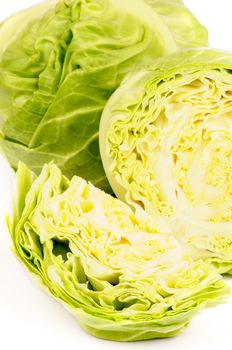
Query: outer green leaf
[111,268]
[166,144]
[183,25]
[59,63]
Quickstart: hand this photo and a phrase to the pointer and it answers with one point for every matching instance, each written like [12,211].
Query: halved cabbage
[166,144]
[121,278]
[62,59]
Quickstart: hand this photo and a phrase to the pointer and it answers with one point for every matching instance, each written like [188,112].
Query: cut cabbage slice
[166,145]
[120,277]
[112,269]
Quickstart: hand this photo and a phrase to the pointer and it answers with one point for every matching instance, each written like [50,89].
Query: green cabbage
[59,63]
[120,277]
[166,144]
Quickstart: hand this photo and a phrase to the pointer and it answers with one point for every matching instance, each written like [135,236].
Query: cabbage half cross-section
[113,270]
[166,144]
[59,63]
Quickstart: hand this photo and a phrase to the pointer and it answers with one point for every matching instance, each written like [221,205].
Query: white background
[30,319]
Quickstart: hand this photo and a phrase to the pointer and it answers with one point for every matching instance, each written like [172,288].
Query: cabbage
[120,277]
[166,144]
[59,63]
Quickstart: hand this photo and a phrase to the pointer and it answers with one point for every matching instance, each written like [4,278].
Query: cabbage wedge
[166,144]
[112,269]
[59,63]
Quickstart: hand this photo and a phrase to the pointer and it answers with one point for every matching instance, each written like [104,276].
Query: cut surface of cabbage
[166,144]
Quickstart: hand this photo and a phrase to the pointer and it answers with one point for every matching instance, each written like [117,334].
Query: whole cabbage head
[166,144]
[59,63]
[121,278]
